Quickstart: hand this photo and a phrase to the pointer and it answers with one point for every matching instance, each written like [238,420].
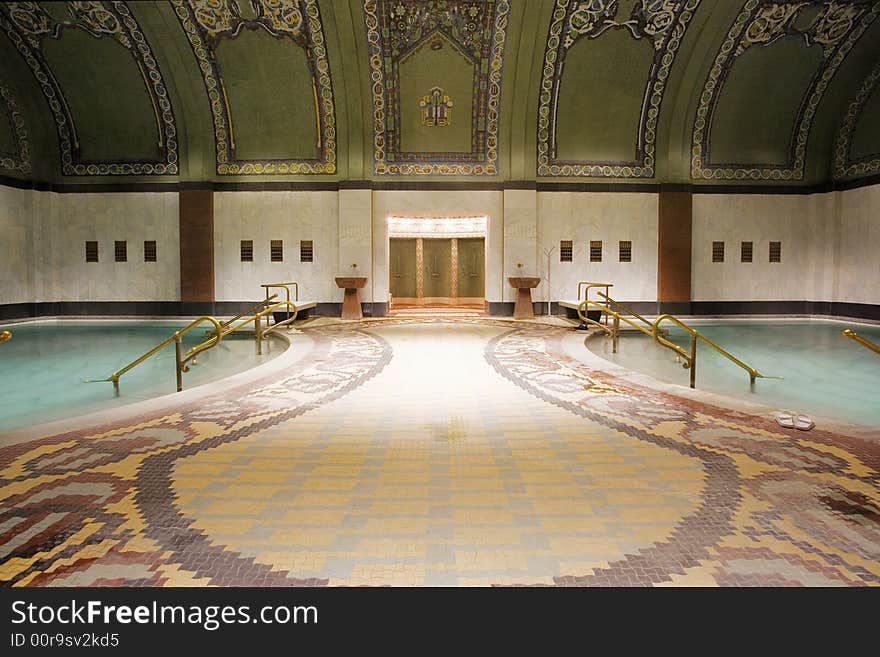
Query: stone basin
[521,282]
[351,282]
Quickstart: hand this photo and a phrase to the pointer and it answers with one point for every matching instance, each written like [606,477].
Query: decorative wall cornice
[844,166]
[389,40]
[21,159]
[663,23]
[27,25]
[837,28]
[206,22]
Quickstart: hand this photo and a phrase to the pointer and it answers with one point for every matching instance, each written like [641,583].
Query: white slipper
[804,423]
[785,419]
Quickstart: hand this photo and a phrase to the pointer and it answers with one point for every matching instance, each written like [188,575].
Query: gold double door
[437,272]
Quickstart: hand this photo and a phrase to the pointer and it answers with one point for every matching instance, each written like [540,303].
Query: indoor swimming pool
[45,366]
[821,372]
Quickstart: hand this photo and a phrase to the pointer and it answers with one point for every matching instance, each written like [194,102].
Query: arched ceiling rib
[481,90]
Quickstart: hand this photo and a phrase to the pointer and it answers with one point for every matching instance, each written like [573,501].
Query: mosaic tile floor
[452,452]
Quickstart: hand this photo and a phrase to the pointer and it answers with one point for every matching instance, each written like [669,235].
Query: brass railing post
[178,356]
[615,333]
[258,334]
[693,360]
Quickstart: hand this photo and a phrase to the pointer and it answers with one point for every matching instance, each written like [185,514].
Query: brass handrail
[629,310]
[181,359]
[855,337]
[249,312]
[614,332]
[5,335]
[591,285]
[286,287]
[260,333]
[690,357]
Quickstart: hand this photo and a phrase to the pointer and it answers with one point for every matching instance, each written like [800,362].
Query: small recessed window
[625,250]
[149,250]
[91,251]
[306,251]
[595,251]
[276,250]
[745,252]
[775,251]
[565,251]
[247,250]
[717,251]
[120,251]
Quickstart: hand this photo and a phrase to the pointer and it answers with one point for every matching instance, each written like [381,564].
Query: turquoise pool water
[43,367]
[822,372]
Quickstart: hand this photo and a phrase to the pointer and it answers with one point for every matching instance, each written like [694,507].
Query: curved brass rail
[5,335]
[181,359]
[626,308]
[260,333]
[690,356]
[855,337]
[590,285]
[245,313]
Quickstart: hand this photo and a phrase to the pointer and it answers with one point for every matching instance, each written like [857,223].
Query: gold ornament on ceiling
[436,108]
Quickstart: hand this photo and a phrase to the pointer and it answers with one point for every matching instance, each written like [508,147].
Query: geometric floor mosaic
[460,452]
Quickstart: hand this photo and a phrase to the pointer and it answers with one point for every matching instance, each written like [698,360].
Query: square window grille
[625,250]
[276,250]
[91,251]
[565,251]
[595,251]
[247,250]
[775,251]
[745,253]
[306,251]
[149,250]
[717,251]
[120,251]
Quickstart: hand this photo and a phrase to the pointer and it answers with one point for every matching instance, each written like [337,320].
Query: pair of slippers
[791,420]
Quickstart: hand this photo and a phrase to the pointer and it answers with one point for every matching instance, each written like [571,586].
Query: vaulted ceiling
[680,91]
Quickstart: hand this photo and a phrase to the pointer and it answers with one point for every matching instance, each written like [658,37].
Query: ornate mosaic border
[665,25]
[386,111]
[762,23]
[20,161]
[201,42]
[843,166]
[26,24]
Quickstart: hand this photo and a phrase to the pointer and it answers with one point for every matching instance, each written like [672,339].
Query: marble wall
[275,215]
[43,258]
[858,247]
[829,243]
[598,216]
[17,260]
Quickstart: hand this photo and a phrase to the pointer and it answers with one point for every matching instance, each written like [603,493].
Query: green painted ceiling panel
[866,138]
[8,142]
[600,98]
[452,72]
[271,96]
[758,105]
[107,96]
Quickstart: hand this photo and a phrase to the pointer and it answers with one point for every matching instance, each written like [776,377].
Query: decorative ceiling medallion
[477,29]
[436,108]
[662,22]
[206,22]
[844,166]
[836,29]
[27,25]
[21,160]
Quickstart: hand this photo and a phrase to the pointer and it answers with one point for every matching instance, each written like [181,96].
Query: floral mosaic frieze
[207,22]
[844,165]
[20,160]
[836,28]
[662,22]
[478,30]
[28,25]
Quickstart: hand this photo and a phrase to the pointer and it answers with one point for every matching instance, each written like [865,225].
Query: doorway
[445,272]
